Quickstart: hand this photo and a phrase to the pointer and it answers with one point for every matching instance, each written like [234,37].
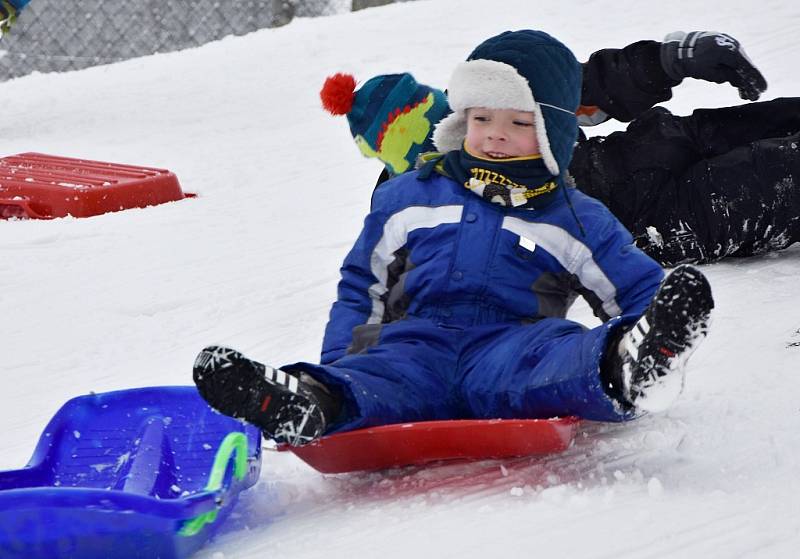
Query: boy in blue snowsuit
[452,302]
[9,10]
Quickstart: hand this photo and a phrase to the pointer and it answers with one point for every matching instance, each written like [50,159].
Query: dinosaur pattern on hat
[404,129]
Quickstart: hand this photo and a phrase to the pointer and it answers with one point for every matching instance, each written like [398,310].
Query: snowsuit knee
[421,370]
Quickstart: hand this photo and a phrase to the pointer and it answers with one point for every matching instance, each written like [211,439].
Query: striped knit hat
[391,116]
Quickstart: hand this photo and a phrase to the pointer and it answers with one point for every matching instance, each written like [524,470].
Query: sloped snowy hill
[127,299]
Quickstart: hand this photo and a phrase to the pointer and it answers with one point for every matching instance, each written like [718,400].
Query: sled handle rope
[233,442]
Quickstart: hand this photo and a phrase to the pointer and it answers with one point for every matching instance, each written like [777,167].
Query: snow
[128,299]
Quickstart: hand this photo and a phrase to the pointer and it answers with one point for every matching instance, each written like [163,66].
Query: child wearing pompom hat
[452,303]
[391,117]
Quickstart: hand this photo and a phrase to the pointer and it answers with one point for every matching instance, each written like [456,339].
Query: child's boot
[647,369]
[287,407]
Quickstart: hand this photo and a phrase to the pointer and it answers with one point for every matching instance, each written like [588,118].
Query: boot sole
[671,332]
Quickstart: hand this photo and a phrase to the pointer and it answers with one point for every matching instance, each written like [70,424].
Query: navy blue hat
[522,70]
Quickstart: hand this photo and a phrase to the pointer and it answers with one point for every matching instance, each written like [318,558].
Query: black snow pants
[720,182]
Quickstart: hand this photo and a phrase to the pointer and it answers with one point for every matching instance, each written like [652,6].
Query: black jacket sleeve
[624,83]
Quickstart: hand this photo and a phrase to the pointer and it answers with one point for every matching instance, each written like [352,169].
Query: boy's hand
[711,56]
[8,15]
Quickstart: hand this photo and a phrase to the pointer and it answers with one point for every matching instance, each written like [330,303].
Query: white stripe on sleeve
[572,254]
[395,236]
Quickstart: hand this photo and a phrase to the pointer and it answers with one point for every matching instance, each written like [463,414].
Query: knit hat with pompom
[391,116]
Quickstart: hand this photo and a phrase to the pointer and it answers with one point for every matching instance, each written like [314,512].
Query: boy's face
[501,133]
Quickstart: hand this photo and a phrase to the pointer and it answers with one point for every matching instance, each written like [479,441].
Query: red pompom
[337,93]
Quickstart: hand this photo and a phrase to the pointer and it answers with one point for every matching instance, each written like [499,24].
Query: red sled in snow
[38,186]
[405,444]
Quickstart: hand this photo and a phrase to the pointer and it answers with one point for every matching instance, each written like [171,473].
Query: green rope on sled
[232,442]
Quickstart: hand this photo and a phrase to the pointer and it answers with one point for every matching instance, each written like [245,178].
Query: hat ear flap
[544,141]
[450,132]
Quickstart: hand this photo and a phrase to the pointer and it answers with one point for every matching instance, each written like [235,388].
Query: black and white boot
[288,408]
[649,365]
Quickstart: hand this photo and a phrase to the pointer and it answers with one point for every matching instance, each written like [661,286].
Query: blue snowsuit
[452,307]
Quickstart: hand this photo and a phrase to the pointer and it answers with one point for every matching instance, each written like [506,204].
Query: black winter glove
[714,57]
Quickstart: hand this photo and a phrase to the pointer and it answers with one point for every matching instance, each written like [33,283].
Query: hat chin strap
[493,85]
[544,142]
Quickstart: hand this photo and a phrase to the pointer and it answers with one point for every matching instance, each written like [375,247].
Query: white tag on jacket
[527,243]
[518,197]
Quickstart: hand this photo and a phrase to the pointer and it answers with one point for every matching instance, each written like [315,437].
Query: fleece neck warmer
[520,182]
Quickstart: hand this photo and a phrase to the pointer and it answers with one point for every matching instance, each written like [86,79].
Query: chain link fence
[60,35]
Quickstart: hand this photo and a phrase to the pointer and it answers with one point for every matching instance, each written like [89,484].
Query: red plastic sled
[405,444]
[34,185]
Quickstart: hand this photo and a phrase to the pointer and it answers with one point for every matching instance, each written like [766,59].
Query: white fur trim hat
[521,70]
[492,85]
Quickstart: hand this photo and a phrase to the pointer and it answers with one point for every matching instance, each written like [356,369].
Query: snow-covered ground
[127,299]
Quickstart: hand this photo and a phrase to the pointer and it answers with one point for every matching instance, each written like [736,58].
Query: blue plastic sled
[150,472]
